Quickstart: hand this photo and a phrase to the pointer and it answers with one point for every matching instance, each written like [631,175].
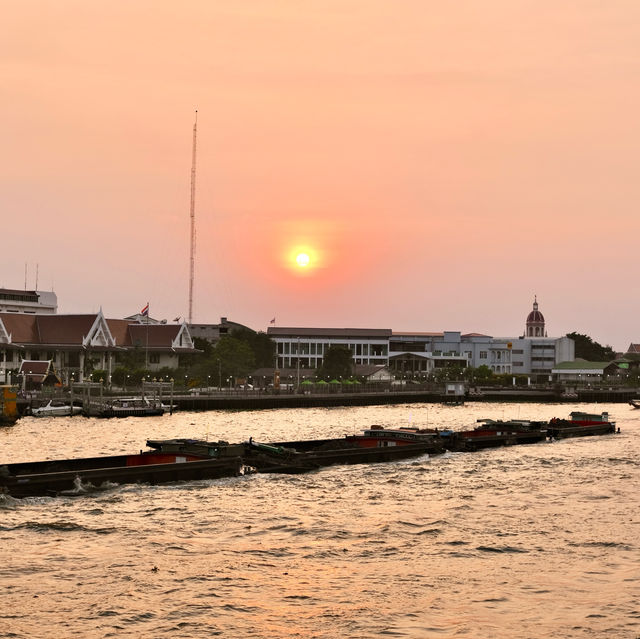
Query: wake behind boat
[173,460]
[72,476]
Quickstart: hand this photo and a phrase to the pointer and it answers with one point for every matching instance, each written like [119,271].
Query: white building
[16,301]
[419,354]
[532,354]
[308,345]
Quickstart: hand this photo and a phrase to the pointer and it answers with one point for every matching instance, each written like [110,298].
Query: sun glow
[302,260]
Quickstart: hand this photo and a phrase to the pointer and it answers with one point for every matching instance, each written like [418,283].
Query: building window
[483,354]
[518,363]
[154,358]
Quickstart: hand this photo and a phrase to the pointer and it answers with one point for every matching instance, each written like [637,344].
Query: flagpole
[146,348]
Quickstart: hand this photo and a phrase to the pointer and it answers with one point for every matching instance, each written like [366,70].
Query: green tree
[587,349]
[337,362]
[230,357]
[263,347]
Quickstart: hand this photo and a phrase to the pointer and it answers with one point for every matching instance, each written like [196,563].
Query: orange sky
[443,162]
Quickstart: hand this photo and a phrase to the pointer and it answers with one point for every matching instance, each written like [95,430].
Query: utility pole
[192,213]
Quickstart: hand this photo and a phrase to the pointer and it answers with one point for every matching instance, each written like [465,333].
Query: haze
[440,163]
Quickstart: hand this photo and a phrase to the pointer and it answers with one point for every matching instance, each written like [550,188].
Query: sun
[302,260]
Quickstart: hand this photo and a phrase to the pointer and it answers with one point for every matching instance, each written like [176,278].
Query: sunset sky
[440,163]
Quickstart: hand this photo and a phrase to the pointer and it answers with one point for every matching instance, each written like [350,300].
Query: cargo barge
[175,460]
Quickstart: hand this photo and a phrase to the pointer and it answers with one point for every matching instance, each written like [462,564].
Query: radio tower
[192,213]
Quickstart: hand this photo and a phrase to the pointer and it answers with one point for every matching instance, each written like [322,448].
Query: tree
[230,357]
[587,349]
[263,347]
[337,362]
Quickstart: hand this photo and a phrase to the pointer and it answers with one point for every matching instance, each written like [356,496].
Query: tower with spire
[535,322]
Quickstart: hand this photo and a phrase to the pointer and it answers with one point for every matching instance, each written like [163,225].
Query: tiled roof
[70,330]
[633,348]
[366,370]
[277,331]
[37,367]
[415,334]
[119,330]
[21,326]
[64,329]
[153,335]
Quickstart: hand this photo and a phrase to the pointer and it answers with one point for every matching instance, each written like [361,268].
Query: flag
[273,321]
[145,310]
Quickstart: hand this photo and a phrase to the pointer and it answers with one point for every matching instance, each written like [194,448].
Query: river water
[530,541]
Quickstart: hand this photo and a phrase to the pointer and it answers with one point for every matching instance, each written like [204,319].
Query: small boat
[491,433]
[56,408]
[581,424]
[635,403]
[128,407]
[78,476]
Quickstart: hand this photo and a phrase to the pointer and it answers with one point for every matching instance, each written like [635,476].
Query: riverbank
[255,400]
[248,401]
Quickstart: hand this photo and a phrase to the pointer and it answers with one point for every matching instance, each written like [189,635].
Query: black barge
[76,476]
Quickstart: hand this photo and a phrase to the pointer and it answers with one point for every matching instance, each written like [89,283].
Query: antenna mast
[192,213]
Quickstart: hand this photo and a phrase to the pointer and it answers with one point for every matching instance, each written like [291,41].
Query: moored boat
[128,407]
[56,408]
[581,424]
[635,403]
[72,476]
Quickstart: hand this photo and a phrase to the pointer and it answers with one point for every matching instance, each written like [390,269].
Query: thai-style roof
[89,331]
[64,329]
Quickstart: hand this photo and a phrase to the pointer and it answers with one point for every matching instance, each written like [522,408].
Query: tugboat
[581,424]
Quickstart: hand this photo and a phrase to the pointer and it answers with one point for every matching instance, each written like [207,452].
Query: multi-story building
[305,347]
[419,354]
[532,354]
[213,332]
[16,301]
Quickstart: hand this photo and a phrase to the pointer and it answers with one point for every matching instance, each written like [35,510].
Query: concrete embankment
[249,401]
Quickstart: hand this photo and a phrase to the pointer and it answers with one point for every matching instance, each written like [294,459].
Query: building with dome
[534,326]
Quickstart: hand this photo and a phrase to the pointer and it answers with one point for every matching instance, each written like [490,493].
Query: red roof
[70,330]
[35,366]
[64,329]
[153,335]
[21,326]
